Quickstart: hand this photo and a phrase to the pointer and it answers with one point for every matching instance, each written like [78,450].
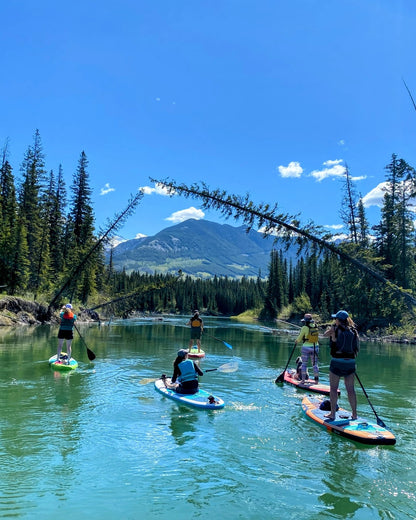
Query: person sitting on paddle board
[344,344]
[66,326]
[308,335]
[197,326]
[186,372]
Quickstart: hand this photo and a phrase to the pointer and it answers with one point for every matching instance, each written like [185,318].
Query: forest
[50,251]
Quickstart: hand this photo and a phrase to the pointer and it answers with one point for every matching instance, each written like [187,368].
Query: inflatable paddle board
[193,353]
[61,365]
[201,399]
[309,384]
[359,430]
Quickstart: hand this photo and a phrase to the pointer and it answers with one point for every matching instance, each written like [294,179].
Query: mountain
[199,248]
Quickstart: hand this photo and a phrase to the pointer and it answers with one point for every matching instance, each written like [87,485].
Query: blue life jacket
[187,371]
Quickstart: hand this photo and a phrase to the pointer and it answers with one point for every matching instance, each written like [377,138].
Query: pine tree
[31,209]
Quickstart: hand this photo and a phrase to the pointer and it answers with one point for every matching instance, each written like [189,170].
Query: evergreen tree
[348,211]
[31,209]
[8,216]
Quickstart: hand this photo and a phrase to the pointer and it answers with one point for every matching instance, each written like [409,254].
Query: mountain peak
[199,248]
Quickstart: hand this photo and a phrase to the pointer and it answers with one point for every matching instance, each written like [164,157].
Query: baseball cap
[341,315]
[307,318]
[182,353]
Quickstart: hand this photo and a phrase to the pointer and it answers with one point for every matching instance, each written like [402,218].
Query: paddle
[379,421]
[227,368]
[222,341]
[281,378]
[90,353]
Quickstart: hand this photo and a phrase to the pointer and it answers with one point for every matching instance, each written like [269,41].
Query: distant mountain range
[199,248]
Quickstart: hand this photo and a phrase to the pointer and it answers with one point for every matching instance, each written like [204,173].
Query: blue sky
[267,97]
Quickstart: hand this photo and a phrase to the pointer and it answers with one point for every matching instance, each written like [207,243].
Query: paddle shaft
[280,378]
[379,421]
[90,353]
[222,341]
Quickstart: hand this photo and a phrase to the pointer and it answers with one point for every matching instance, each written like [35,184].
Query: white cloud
[334,226]
[331,169]
[159,189]
[375,196]
[341,142]
[293,169]
[185,214]
[106,189]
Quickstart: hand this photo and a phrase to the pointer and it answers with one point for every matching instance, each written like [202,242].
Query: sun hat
[341,315]
[307,318]
[182,353]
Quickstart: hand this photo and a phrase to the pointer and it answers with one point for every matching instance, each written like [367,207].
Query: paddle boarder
[344,344]
[308,336]
[197,326]
[186,372]
[65,332]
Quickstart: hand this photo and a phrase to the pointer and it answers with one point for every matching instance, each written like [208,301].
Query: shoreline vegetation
[15,311]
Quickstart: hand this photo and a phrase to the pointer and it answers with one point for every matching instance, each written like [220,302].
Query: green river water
[100,444]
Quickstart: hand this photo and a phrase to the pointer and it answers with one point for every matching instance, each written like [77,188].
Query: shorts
[342,367]
[196,333]
[65,334]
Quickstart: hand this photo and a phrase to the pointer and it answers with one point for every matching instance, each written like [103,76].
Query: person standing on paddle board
[65,332]
[197,326]
[308,336]
[344,344]
[186,372]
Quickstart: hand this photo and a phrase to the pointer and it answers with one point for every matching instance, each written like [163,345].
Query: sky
[267,97]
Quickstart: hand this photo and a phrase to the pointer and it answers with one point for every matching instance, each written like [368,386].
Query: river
[101,443]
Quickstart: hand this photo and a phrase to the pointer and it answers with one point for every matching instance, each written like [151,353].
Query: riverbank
[18,311]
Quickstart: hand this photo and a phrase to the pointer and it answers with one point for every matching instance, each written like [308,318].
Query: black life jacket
[346,345]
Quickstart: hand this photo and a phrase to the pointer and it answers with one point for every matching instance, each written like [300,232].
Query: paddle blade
[90,354]
[381,423]
[228,367]
[148,380]
[281,378]
[227,345]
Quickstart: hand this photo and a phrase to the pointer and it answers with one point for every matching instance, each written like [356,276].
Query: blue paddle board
[201,399]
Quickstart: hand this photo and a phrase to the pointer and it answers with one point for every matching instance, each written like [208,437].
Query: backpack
[313,334]
[347,342]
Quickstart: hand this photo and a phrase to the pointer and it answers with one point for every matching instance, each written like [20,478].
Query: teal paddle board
[201,399]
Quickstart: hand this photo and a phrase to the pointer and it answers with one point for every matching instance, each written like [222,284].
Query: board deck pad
[201,399]
[360,430]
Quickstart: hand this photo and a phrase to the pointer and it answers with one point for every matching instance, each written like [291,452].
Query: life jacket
[196,323]
[187,371]
[312,336]
[346,345]
[67,320]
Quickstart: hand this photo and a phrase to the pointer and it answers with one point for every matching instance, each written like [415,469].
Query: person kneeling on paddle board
[186,372]
[65,331]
